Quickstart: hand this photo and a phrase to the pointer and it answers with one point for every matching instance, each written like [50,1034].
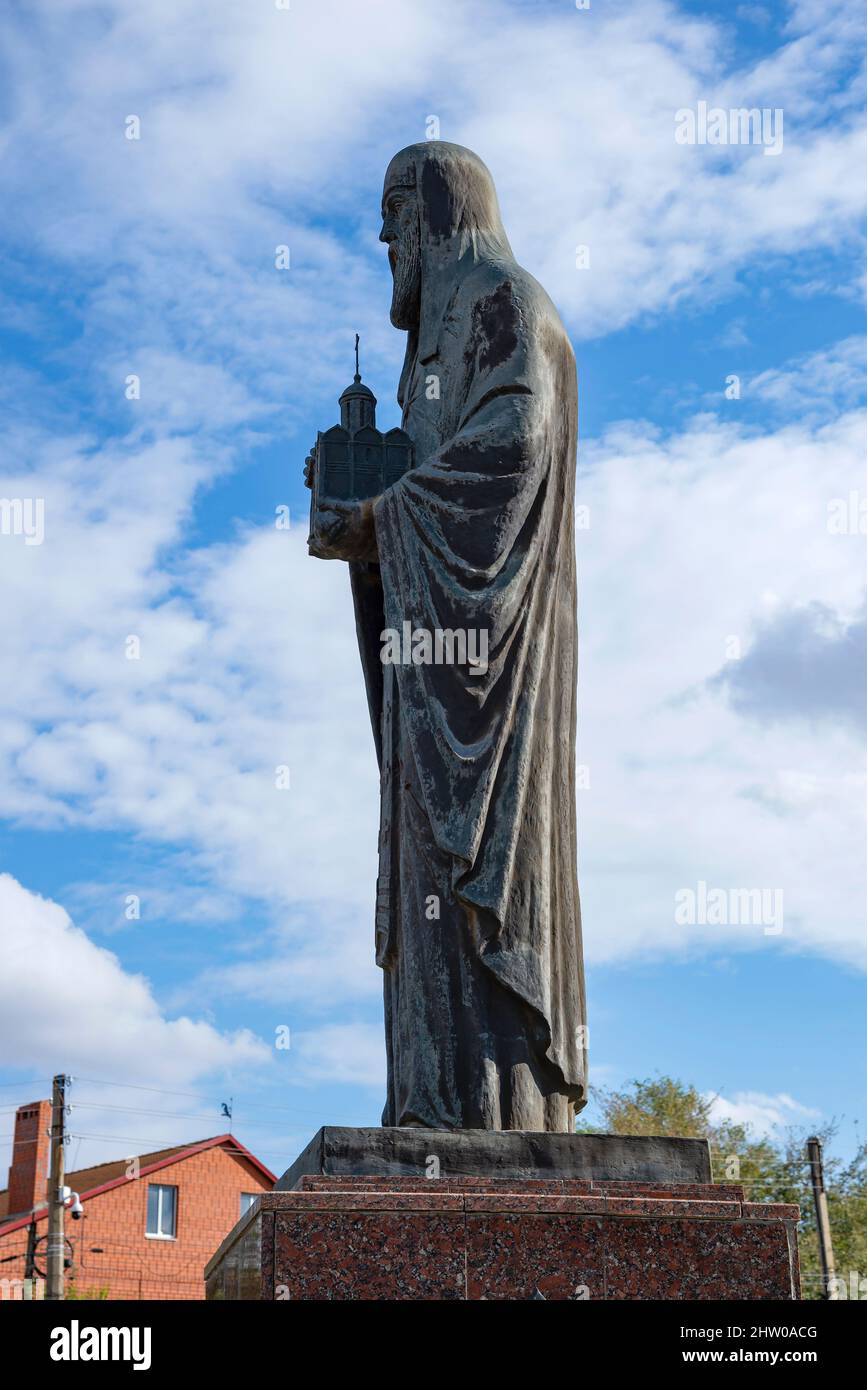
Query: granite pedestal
[477,1237]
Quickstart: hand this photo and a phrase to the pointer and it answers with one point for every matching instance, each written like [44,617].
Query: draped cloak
[478,925]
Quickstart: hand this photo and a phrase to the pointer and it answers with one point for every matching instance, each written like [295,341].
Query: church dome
[358,403]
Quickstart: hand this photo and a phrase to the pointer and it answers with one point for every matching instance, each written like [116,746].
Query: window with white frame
[247,1200]
[162,1211]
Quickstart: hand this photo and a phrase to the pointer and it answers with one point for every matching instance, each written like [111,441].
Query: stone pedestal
[338,1151]
[459,1238]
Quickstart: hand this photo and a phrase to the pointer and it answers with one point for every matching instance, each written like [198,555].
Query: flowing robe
[477,915]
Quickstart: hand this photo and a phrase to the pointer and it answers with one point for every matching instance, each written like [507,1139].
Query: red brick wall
[133,1266]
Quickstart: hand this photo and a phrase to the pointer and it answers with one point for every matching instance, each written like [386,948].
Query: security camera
[72,1202]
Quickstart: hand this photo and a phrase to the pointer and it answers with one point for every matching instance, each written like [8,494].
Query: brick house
[150,1224]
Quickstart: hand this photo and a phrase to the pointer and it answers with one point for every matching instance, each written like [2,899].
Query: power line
[189,1095]
[131,1086]
[164,1091]
[167,1114]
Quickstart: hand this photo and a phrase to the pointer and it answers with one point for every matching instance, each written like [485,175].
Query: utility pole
[56,1244]
[823,1225]
[30,1260]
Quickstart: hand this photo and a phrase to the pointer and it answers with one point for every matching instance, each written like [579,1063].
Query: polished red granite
[468,1239]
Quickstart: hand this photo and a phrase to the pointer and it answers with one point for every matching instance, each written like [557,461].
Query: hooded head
[439,212]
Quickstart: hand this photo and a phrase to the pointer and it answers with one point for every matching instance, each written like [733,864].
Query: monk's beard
[406,291]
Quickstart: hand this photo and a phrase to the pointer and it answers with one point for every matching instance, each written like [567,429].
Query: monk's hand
[346,531]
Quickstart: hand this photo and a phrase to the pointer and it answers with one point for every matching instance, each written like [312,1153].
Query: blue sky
[723,635]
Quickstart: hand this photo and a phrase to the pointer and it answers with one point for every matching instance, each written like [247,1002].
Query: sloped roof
[87,1178]
[91,1182]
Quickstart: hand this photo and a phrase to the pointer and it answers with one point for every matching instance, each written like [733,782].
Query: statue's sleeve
[366,583]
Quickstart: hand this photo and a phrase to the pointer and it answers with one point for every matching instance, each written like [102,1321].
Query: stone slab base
[338,1151]
[468,1239]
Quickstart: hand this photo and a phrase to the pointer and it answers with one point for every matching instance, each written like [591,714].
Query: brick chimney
[28,1174]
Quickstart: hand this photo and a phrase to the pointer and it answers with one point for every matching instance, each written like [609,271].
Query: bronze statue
[477,915]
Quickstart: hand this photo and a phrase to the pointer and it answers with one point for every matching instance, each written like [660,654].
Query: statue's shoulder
[499,287]
[504,277]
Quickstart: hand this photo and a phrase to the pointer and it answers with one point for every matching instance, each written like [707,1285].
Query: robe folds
[478,926]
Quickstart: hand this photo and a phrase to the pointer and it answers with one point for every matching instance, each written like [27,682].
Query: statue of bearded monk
[478,928]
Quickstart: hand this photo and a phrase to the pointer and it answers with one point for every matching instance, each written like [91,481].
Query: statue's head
[402,234]
[438,201]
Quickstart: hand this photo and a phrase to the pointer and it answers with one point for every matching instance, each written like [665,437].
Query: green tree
[768,1170]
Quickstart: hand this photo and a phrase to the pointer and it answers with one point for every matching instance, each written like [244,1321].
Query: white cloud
[248,662]
[827,381]
[318,956]
[259,124]
[766,1115]
[140,1078]
[67,1004]
[353,1053]
[687,536]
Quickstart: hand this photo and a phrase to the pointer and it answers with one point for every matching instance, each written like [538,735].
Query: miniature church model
[354,460]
